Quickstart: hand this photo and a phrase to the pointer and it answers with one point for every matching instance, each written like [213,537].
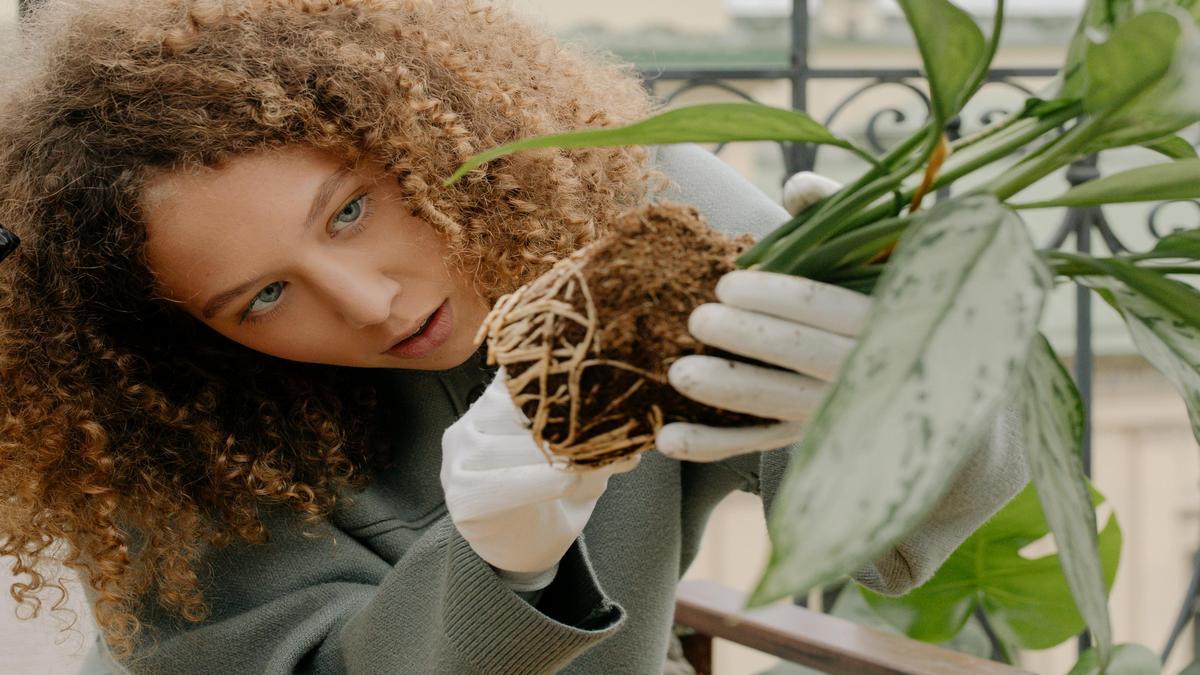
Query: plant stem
[866,241]
[990,131]
[870,272]
[818,230]
[1006,146]
[998,646]
[792,248]
[757,254]
[954,170]
[752,255]
[1069,264]
[1070,269]
[1060,152]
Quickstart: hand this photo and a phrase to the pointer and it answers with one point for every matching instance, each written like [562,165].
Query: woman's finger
[779,342]
[701,443]
[747,388]
[837,310]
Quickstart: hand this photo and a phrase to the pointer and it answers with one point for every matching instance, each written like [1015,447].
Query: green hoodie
[389,585]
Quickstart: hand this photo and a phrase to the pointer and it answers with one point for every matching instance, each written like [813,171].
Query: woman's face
[292,255]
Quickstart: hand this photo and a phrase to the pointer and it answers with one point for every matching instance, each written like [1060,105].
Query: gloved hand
[803,326]
[518,512]
[806,188]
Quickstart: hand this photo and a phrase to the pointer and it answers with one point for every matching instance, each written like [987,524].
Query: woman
[239,373]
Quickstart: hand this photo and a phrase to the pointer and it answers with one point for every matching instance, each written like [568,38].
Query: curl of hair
[128,430]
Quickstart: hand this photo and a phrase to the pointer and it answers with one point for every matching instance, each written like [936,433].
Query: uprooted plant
[958,288]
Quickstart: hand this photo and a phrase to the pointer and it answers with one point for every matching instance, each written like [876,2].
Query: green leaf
[1144,81]
[1166,339]
[1026,600]
[953,51]
[1053,419]
[852,606]
[1137,53]
[1192,7]
[1039,108]
[1098,17]
[706,123]
[1182,244]
[952,322]
[1175,299]
[1127,659]
[1173,147]
[1173,180]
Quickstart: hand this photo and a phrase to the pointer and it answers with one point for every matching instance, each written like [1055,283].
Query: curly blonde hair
[130,432]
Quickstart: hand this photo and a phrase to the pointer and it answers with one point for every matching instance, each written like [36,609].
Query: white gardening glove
[801,325]
[518,512]
[806,188]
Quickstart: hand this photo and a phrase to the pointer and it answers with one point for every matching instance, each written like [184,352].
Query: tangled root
[545,337]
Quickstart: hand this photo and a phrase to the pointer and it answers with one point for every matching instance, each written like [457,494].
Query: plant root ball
[587,345]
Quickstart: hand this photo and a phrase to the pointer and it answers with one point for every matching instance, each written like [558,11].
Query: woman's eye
[266,299]
[350,215]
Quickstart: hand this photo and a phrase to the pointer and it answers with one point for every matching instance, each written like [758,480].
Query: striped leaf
[1172,180]
[1164,335]
[951,325]
[705,123]
[1053,420]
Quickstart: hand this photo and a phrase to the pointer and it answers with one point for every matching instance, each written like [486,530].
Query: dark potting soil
[646,275]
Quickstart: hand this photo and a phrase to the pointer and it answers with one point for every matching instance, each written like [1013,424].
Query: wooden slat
[820,641]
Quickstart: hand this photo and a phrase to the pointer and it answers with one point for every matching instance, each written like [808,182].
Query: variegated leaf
[1170,343]
[949,332]
[1052,417]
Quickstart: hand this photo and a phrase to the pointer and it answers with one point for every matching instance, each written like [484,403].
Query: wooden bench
[816,640]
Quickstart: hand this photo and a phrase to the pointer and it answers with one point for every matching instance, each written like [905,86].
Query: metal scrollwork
[872,131]
[898,116]
[1156,213]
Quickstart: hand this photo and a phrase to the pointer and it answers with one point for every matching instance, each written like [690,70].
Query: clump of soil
[587,345]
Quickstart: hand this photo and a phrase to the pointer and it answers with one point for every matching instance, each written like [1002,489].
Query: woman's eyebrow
[325,192]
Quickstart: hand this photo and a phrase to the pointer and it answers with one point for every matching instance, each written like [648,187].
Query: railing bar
[828,643]
[799,157]
[777,73]
[1188,611]
[1079,173]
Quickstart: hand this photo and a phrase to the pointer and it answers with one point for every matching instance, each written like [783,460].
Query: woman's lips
[437,330]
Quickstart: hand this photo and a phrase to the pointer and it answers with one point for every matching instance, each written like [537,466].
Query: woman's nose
[363,298]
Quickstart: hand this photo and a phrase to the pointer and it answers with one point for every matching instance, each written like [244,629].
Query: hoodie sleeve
[329,604]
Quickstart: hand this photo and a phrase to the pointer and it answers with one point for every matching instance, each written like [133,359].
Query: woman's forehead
[207,224]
